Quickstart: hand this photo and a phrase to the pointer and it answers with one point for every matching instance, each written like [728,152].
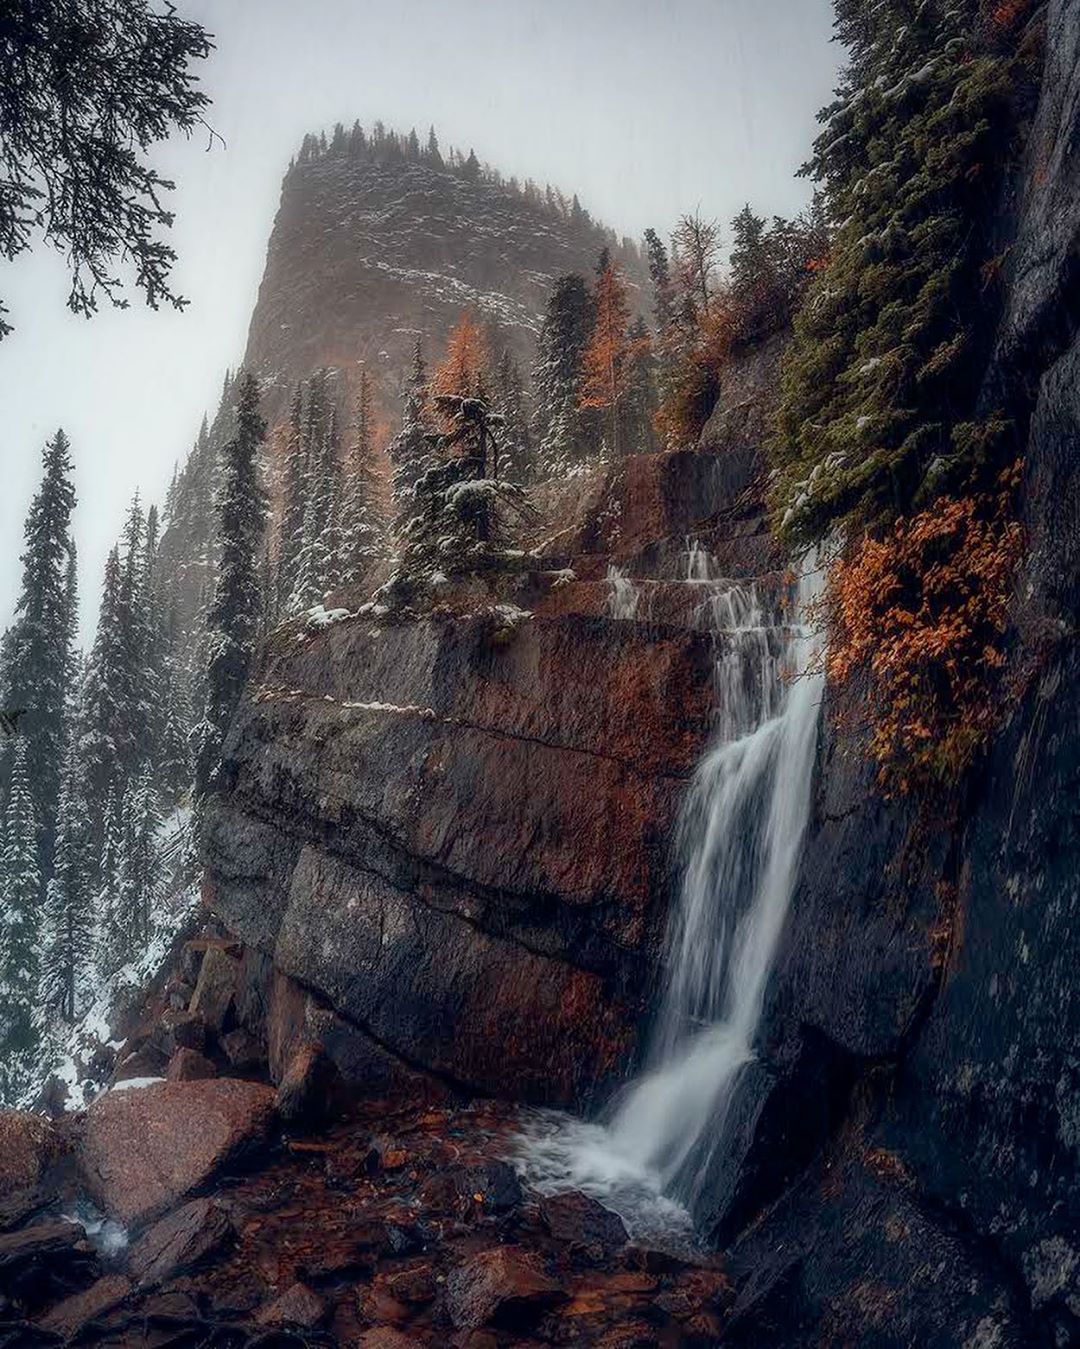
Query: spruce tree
[67,955]
[564,335]
[39,646]
[516,453]
[20,923]
[410,450]
[234,614]
[295,491]
[364,531]
[106,742]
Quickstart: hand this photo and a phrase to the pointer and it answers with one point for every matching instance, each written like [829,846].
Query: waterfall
[740,839]
[623,598]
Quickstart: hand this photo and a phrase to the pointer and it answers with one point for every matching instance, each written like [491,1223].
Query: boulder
[143,1150]
[490,1185]
[29,1146]
[180,1241]
[299,1305]
[146,1061]
[70,1316]
[188,1065]
[575,1218]
[386,1337]
[305,1092]
[215,990]
[45,1262]
[504,1287]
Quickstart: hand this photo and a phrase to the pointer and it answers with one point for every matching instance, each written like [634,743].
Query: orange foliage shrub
[924,610]
[692,396]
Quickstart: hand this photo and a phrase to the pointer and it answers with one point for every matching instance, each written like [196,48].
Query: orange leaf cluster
[462,370]
[925,610]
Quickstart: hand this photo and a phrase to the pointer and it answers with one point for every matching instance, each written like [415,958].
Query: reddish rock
[180,1241]
[143,1149]
[415,1285]
[297,1306]
[29,1145]
[577,1218]
[215,990]
[188,1065]
[69,1317]
[504,1286]
[305,1091]
[386,1337]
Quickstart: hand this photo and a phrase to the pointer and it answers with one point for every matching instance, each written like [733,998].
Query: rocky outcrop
[455,831]
[144,1148]
[908,1143]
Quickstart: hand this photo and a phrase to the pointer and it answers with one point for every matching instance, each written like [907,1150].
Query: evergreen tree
[641,399]
[67,955]
[410,450]
[564,335]
[364,532]
[20,919]
[318,565]
[296,490]
[110,948]
[234,613]
[138,872]
[883,376]
[39,646]
[106,742]
[516,437]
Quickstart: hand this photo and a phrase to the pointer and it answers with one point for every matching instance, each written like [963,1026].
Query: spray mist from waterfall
[740,840]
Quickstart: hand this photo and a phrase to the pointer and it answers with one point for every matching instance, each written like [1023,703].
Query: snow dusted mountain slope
[365,256]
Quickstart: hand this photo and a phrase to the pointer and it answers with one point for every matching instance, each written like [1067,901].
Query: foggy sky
[645,108]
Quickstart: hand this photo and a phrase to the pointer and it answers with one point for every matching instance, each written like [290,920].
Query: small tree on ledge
[459,520]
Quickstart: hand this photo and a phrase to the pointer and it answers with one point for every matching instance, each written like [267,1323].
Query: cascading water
[622,602]
[740,839]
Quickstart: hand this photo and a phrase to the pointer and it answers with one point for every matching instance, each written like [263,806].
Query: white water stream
[740,841]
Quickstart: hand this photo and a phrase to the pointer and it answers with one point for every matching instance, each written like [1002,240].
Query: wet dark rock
[386,1337]
[177,1243]
[69,1317]
[243,1050]
[306,1091]
[504,1286]
[299,1305]
[188,1065]
[43,1263]
[576,1218]
[492,1186]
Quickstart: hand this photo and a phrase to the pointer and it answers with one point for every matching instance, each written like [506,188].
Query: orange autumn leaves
[924,610]
[608,362]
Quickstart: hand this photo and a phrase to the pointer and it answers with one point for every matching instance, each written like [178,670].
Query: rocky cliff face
[909,1141]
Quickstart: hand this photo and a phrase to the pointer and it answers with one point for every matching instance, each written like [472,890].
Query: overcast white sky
[645,108]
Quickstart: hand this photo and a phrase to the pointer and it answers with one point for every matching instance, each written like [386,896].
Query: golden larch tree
[463,369]
[608,363]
